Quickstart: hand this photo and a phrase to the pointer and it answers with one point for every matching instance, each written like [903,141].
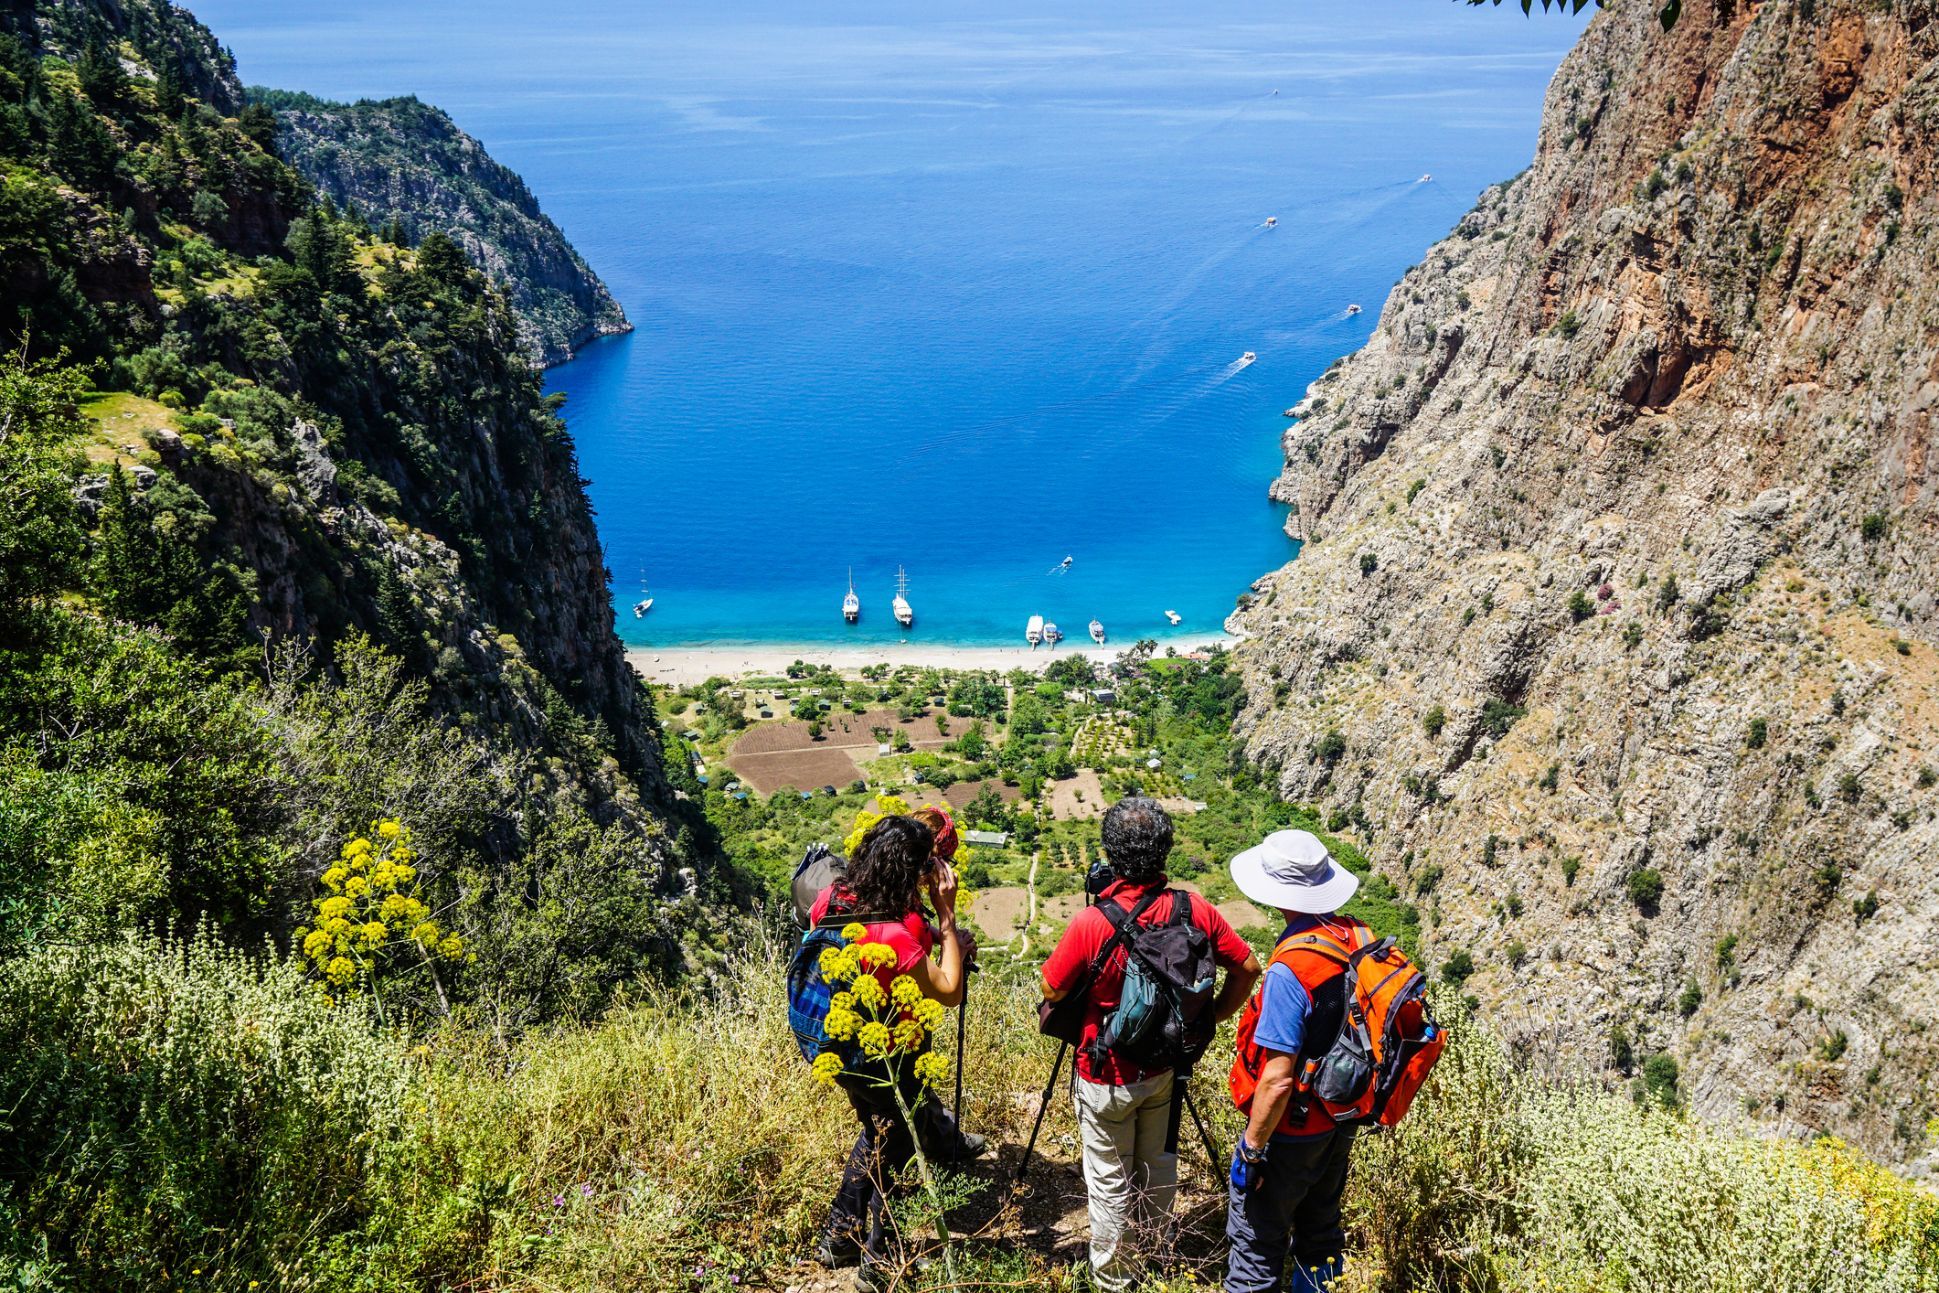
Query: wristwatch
[1249,1154]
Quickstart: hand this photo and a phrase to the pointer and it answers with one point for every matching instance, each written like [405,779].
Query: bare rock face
[1622,548]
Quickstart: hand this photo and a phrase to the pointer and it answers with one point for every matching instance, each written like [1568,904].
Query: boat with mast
[905,614]
[1033,632]
[851,604]
[1097,631]
[645,603]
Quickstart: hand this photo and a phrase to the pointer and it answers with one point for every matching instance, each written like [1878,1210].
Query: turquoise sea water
[957,287]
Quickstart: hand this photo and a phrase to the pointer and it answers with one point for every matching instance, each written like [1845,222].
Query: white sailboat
[1033,632]
[645,604]
[851,604]
[905,614]
[1097,631]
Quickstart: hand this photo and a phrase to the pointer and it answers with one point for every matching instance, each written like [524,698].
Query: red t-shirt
[911,937]
[1086,936]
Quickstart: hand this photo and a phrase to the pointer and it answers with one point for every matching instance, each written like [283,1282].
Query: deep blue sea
[957,287]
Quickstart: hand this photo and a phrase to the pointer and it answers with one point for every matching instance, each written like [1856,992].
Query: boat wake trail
[1227,373]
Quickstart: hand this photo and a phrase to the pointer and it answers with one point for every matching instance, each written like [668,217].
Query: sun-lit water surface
[958,288]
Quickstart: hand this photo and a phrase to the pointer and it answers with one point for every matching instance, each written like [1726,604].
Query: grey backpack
[818,869]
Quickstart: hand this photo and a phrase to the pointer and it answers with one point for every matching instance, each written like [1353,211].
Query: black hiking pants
[883,1151]
[1294,1211]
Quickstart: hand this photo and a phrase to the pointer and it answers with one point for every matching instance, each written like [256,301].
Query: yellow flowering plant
[889,1027]
[890,805]
[371,926]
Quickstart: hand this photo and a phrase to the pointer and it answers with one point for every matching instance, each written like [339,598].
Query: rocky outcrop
[401,162]
[1618,584]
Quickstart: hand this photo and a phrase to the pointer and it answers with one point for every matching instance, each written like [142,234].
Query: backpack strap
[1121,923]
[1181,906]
[841,919]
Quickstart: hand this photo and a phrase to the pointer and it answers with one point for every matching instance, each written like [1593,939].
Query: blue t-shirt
[1284,1008]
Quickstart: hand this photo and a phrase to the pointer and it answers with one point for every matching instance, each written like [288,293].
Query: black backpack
[1163,1018]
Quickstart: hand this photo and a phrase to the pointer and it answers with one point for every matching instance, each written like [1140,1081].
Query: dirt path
[1030,912]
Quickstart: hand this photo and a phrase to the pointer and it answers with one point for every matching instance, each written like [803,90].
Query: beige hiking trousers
[1130,1177]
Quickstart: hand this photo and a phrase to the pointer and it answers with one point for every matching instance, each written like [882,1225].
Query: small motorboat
[1052,634]
[1272,222]
[640,608]
[1427,178]
[1247,357]
[1174,617]
[1353,309]
[1290,413]
[851,604]
[1097,632]
[1033,632]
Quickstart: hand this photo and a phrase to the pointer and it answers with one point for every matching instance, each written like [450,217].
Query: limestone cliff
[1620,571]
[402,162]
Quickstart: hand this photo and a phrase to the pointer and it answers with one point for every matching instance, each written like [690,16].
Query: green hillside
[407,168]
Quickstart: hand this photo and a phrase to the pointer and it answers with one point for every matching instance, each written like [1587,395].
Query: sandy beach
[680,666]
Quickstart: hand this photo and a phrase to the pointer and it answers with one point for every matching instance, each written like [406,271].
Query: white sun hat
[1292,871]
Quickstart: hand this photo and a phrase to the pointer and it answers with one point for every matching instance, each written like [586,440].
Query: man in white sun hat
[1289,1169]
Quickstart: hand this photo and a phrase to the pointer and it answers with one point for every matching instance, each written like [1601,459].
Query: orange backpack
[1386,1046]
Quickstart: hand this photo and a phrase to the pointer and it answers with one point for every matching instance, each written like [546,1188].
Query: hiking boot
[970,1147]
[836,1253]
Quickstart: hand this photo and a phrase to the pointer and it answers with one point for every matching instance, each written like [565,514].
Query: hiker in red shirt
[1122,1109]
[882,889]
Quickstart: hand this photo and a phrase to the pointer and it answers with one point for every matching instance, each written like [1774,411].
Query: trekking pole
[1042,1108]
[1205,1137]
[962,1021]
[1178,1097]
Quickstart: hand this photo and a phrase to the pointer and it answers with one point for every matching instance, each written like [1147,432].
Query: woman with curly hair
[892,868]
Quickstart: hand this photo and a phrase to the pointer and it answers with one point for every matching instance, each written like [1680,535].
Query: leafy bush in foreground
[168,1107]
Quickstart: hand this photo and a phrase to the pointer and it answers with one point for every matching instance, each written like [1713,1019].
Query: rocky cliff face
[1615,627]
[357,443]
[401,161]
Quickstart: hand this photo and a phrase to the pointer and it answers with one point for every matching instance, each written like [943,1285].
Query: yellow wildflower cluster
[883,1023]
[371,908]
[891,806]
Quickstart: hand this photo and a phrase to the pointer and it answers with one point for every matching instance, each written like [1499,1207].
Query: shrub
[1659,1077]
[1760,729]
[1645,888]
[1667,592]
[1434,720]
[1368,563]
[1873,527]
[1571,867]
[1580,607]
[1458,968]
[185,1105]
[1686,1005]
[1498,716]
[1568,325]
[1330,747]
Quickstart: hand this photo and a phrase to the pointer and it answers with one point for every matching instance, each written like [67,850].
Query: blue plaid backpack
[809,993]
